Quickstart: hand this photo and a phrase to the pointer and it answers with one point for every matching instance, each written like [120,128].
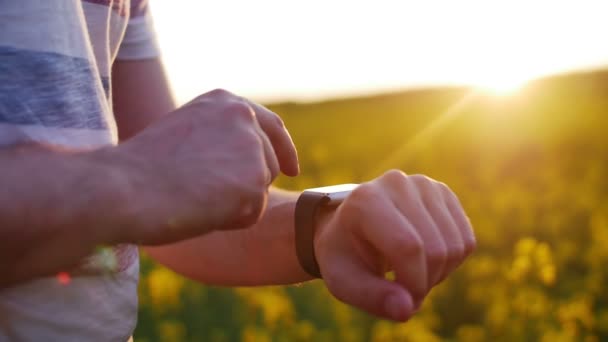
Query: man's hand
[411,225]
[206,166]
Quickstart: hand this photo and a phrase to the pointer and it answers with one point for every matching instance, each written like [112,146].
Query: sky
[279,50]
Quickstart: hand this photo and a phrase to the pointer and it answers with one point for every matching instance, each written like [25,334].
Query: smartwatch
[307,206]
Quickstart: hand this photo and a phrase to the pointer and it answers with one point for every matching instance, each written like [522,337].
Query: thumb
[354,283]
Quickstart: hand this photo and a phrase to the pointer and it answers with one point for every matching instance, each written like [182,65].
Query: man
[192,185]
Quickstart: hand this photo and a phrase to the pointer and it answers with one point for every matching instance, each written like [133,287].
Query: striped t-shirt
[55,62]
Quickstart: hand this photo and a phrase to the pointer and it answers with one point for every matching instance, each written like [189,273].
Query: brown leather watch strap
[305,218]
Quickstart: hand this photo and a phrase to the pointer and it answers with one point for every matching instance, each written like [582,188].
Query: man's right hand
[206,166]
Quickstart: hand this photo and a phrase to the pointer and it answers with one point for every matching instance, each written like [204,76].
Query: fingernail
[397,307]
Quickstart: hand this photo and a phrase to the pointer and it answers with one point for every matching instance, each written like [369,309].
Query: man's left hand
[411,225]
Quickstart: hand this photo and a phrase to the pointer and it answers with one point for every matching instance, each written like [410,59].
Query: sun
[501,87]
[502,84]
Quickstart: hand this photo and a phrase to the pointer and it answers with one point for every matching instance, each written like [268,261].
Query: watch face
[336,193]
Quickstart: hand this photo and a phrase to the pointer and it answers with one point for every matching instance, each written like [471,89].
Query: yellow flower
[164,288]
[547,274]
[525,246]
[471,333]
[171,331]
[253,334]
[272,301]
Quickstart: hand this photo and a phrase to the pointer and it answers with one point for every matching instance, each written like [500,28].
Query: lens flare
[63,278]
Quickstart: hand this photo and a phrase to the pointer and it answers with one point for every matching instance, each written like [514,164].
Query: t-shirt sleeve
[139,41]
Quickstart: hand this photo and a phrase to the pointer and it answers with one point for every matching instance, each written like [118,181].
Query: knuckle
[257,173]
[424,185]
[249,145]
[239,110]
[437,253]
[262,177]
[451,196]
[421,181]
[394,177]
[272,173]
[252,207]
[219,92]
[456,252]
[252,166]
[443,188]
[199,99]
[364,192]
[212,96]
[360,198]
[408,245]
[251,140]
[395,174]
[470,246]
[279,121]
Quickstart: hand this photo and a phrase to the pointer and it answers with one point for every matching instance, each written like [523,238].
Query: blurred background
[506,102]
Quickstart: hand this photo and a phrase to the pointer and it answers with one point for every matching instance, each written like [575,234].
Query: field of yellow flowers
[530,169]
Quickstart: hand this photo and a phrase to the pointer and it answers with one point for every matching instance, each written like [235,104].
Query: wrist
[80,189]
[323,217]
[313,213]
[110,179]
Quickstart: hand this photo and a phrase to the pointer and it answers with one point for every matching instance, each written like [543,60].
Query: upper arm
[140,94]
[140,90]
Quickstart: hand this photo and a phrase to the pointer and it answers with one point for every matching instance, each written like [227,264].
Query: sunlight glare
[501,85]
[415,143]
[402,44]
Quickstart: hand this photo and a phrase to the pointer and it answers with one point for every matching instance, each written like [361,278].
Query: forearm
[55,207]
[263,254]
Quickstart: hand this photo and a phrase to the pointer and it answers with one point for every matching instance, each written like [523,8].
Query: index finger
[279,137]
